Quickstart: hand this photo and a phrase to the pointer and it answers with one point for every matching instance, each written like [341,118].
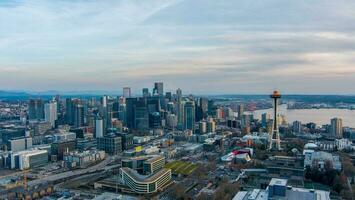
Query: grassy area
[180,167]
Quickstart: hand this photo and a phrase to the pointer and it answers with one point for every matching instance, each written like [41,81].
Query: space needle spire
[274,137]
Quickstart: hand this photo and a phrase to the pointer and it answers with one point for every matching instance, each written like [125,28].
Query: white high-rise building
[104,101]
[50,112]
[127,92]
[211,126]
[202,127]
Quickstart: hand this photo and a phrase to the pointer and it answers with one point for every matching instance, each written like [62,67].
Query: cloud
[7,70]
[204,46]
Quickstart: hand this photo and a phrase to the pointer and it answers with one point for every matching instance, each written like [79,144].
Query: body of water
[318,116]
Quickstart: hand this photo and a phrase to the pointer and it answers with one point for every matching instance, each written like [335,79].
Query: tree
[226,190]
[348,166]
[178,192]
[340,183]
[337,186]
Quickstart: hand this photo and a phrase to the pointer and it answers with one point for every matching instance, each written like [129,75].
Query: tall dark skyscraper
[141,115]
[189,116]
[201,109]
[115,108]
[154,104]
[158,89]
[145,92]
[211,107]
[179,108]
[69,111]
[79,115]
[168,96]
[109,114]
[154,120]
[36,109]
[130,104]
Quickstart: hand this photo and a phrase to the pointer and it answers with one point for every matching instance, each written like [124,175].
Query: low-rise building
[141,140]
[344,143]
[28,159]
[285,167]
[278,189]
[153,164]
[83,159]
[40,127]
[110,144]
[151,150]
[145,174]
[63,136]
[319,159]
[141,184]
[19,144]
[127,140]
[62,147]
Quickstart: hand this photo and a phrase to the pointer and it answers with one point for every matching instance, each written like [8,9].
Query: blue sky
[201,46]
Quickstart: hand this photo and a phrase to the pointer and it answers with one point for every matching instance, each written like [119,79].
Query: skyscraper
[145,92]
[127,92]
[50,112]
[245,120]
[104,100]
[211,126]
[179,108]
[179,94]
[99,128]
[297,127]
[202,126]
[265,118]
[108,115]
[158,89]
[79,116]
[69,111]
[211,107]
[240,110]
[129,115]
[122,113]
[189,116]
[204,106]
[337,127]
[36,109]
[141,114]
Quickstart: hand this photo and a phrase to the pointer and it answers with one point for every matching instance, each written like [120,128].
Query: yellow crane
[25,172]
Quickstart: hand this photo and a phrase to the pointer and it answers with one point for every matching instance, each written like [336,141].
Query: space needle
[274,137]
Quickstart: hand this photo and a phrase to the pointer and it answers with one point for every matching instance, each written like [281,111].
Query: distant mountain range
[14,94]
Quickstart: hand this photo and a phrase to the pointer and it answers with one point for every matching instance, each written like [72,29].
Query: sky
[200,46]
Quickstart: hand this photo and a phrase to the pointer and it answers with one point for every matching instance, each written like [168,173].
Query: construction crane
[25,184]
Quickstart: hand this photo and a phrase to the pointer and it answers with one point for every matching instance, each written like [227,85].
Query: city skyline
[202,47]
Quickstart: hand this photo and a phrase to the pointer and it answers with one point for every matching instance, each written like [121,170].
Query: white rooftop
[278,181]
